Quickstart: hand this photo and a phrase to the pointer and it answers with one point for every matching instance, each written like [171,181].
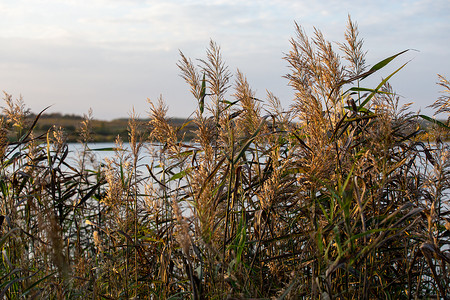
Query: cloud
[100,52]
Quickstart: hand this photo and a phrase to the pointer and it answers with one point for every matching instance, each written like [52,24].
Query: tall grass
[338,196]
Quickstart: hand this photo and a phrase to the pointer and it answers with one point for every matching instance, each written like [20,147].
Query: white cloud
[68,51]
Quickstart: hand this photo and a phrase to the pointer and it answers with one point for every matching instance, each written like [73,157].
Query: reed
[338,196]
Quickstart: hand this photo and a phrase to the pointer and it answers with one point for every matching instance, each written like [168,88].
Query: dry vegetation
[333,198]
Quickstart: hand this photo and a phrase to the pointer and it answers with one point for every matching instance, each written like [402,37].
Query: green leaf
[288,290]
[4,188]
[201,101]
[6,235]
[28,290]
[383,63]
[379,87]
[360,89]
[349,120]
[178,175]
[185,124]
[372,70]
[30,130]
[363,234]
[249,141]
[434,121]
[337,237]
[90,193]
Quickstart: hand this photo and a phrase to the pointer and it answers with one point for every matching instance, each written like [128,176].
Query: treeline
[101,130]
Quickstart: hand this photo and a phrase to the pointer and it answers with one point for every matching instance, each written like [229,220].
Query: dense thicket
[333,197]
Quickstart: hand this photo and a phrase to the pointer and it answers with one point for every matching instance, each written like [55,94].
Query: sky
[113,55]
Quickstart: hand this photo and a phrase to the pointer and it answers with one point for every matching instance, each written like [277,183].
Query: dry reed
[335,197]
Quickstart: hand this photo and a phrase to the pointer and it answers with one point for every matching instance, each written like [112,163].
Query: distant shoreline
[101,131]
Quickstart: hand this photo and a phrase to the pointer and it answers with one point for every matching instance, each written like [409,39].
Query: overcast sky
[111,55]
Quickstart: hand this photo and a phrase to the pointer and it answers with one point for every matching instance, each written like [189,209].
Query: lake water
[101,151]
